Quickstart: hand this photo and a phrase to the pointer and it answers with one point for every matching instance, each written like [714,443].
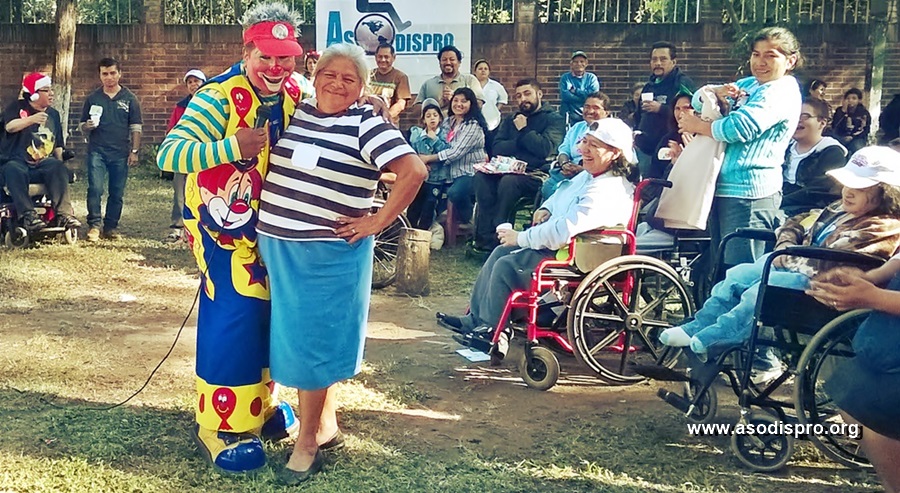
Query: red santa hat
[33,82]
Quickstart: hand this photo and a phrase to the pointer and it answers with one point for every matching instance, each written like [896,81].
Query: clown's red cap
[274,38]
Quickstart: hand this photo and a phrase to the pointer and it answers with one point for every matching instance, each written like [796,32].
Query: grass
[72,343]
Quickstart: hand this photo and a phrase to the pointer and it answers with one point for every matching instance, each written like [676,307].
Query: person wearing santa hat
[34,147]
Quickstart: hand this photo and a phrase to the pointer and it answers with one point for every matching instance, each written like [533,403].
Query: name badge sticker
[305,156]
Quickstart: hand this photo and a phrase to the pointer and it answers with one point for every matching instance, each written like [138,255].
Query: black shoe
[67,221]
[32,222]
[479,339]
[451,322]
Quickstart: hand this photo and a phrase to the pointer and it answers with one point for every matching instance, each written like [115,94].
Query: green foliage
[89,11]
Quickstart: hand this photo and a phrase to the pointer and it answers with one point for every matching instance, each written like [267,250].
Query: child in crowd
[866,219]
[430,138]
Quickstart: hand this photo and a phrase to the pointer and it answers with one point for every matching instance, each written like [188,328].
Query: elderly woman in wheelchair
[866,220]
[601,197]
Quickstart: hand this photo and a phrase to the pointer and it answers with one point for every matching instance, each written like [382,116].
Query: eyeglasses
[807,116]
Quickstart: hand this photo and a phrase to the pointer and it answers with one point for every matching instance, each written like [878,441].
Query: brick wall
[154,58]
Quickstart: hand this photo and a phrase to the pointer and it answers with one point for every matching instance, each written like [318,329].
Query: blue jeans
[729,213]
[726,318]
[98,168]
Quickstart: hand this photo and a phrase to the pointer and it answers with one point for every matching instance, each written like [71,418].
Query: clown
[222,143]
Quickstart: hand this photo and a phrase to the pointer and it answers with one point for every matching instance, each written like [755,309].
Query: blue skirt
[320,307]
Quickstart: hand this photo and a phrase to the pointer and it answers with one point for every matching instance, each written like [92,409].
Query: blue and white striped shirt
[324,167]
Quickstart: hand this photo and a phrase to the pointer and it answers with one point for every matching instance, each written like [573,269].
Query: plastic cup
[646,96]
[504,226]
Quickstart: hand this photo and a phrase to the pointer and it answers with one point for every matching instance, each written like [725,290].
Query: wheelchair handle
[751,234]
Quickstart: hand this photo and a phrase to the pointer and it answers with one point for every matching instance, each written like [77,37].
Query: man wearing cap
[653,117]
[600,197]
[193,79]
[33,146]
[222,142]
[389,82]
[111,114]
[574,87]
[441,87]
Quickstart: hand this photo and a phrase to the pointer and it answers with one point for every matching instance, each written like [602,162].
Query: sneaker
[762,377]
[93,235]
[67,221]
[112,234]
[32,222]
[174,236]
[501,347]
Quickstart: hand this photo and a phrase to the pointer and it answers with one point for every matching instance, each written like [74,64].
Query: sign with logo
[417,29]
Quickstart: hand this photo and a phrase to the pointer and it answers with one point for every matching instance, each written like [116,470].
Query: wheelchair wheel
[539,367]
[705,410]
[762,451]
[16,238]
[387,242]
[70,236]
[825,351]
[618,312]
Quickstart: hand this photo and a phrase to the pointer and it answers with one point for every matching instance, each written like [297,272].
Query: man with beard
[222,142]
[653,118]
[532,134]
[441,87]
[33,144]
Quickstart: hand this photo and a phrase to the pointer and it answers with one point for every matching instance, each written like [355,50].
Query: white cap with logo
[616,133]
[194,72]
[869,166]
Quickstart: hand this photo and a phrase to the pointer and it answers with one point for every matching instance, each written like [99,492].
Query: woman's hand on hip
[354,229]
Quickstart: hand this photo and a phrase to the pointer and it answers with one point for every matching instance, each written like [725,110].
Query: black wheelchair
[812,339]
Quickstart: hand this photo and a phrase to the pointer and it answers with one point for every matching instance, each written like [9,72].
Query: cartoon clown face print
[228,196]
[268,73]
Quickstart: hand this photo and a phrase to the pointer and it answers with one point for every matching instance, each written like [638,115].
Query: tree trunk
[66,19]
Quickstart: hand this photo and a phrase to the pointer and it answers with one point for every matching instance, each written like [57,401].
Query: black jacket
[653,126]
[813,189]
[537,143]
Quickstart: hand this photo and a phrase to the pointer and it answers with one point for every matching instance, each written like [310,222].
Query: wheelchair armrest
[862,260]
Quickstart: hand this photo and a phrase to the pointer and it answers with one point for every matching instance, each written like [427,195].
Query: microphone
[263,114]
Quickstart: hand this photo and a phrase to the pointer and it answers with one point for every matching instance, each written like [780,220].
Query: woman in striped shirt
[316,238]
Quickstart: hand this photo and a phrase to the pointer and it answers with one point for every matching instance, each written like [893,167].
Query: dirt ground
[458,405]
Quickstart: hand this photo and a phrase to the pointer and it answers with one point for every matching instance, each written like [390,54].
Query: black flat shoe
[475,340]
[336,442]
[290,477]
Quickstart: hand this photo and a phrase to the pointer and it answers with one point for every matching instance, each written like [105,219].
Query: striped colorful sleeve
[379,141]
[196,143]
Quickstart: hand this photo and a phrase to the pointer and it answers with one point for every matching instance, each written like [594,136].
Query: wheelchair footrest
[659,372]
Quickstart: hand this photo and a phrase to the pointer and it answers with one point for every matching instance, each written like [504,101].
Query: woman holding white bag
[765,109]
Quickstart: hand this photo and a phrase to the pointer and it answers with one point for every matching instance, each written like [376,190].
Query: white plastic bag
[687,204]
[437,236]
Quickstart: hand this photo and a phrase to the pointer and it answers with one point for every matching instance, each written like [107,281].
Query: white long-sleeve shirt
[582,204]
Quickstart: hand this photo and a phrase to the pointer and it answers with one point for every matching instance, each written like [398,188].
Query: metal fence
[801,11]
[620,11]
[89,11]
[492,11]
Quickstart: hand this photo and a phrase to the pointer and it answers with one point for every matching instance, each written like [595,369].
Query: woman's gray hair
[349,51]
[272,11]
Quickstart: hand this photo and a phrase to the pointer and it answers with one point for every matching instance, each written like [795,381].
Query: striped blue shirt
[756,134]
[324,167]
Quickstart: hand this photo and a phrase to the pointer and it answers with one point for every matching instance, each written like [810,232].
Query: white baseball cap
[869,166]
[616,133]
[195,72]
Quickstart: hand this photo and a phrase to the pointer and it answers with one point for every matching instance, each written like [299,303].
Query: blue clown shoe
[281,424]
[232,453]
